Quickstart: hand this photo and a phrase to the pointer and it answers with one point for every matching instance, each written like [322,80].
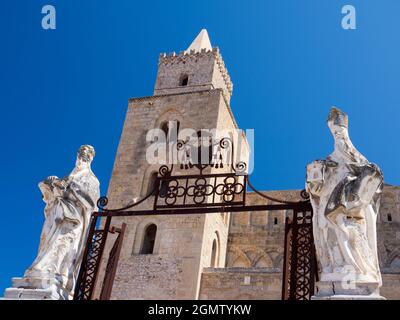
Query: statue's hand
[60,184]
[63,184]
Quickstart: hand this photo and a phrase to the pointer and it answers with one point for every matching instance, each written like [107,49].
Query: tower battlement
[200,67]
[183,57]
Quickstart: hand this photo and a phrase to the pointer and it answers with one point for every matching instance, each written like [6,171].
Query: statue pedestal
[339,290]
[35,289]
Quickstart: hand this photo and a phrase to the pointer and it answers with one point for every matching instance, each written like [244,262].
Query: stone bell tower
[163,256]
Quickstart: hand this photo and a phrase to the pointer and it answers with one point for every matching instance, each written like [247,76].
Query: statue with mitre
[345,191]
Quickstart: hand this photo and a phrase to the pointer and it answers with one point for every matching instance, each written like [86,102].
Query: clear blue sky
[289,61]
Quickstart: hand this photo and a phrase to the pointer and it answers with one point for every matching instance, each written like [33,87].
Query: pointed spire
[202,41]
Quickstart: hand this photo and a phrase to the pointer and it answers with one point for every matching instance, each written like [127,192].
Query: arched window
[215,251]
[275,220]
[389,217]
[184,80]
[149,239]
[213,263]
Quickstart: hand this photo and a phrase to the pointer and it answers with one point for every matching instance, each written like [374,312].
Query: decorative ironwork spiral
[180,144]
[241,167]
[102,202]
[304,194]
[164,170]
[224,143]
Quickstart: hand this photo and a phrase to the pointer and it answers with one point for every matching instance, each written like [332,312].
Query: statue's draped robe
[344,191]
[64,234]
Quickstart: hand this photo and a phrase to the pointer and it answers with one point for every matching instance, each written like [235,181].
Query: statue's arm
[83,193]
[47,188]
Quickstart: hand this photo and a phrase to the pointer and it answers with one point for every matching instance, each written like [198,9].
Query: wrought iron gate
[85,285]
[300,266]
[202,194]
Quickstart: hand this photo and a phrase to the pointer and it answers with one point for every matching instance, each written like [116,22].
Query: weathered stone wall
[256,238]
[389,241]
[264,284]
[168,273]
[240,284]
[389,230]
[255,254]
[391,285]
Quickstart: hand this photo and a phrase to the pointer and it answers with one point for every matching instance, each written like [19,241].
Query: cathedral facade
[207,256]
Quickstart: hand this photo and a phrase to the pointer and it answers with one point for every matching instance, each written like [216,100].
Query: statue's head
[85,154]
[338,121]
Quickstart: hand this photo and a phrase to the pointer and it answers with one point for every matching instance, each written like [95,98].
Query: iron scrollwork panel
[200,191]
[91,260]
[300,261]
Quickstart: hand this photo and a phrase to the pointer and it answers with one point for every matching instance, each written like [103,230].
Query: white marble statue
[69,204]
[344,191]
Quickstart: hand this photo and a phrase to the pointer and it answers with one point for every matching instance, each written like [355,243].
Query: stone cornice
[155,97]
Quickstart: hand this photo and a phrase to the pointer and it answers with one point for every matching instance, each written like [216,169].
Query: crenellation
[172,66]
